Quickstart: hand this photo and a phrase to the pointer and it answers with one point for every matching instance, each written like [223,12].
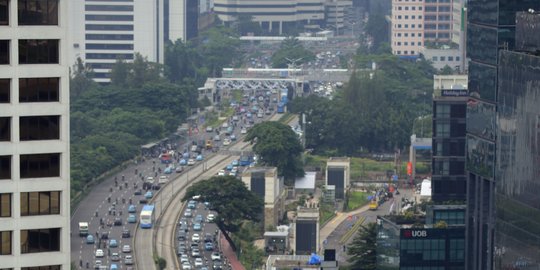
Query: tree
[446,70]
[377,28]
[231,200]
[246,25]
[277,145]
[119,73]
[219,45]
[363,249]
[80,80]
[291,49]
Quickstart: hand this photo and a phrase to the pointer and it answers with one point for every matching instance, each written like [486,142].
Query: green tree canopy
[363,249]
[277,145]
[246,25]
[291,49]
[377,28]
[231,200]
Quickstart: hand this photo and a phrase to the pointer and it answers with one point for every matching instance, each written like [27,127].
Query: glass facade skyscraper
[491,29]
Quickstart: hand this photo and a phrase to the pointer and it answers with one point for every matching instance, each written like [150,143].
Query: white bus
[147,216]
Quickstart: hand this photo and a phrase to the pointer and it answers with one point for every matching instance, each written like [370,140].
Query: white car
[99,253]
[227,141]
[186,266]
[210,217]
[221,173]
[191,162]
[128,260]
[243,131]
[126,249]
[215,256]
[195,238]
[209,129]
[184,258]
[225,125]
[198,262]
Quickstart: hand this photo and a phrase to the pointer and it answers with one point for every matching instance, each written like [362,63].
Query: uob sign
[415,233]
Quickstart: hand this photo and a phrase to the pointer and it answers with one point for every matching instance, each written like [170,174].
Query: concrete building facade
[407,27]
[438,20]
[338,174]
[265,182]
[306,231]
[273,15]
[336,11]
[34,135]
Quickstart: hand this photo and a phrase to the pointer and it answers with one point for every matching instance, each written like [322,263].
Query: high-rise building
[335,14]
[273,15]
[490,29]
[517,202]
[104,31]
[407,28]
[449,180]
[438,20]
[34,135]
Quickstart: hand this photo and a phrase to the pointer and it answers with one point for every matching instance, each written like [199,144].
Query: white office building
[34,135]
[335,13]
[407,27]
[273,15]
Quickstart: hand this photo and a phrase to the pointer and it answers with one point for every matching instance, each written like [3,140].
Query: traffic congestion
[125,200]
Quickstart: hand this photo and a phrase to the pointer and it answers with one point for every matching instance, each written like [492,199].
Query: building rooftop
[339,159]
[306,182]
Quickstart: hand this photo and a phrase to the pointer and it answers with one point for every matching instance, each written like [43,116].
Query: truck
[83,228]
[209,144]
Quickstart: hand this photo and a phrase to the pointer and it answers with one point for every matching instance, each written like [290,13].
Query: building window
[419,17]
[399,8]
[40,203]
[4,12]
[399,17]
[5,205]
[413,8]
[405,52]
[457,249]
[34,128]
[406,43]
[399,26]
[443,58]
[5,129]
[40,165]
[5,239]
[406,25]
[5,167]
[108,8]
[399,34]
[5,90]
[406,8]
[412,43]
[442,129]
[412,52]
[40,240]
[4,52]
[442,110]
[38,12]
[38,51]
[406,34]
[420,25]
[434,58]
[406,17]
[419,43]
[413,17]
[39,89]
[48,267]
[398,52]
[412,34]
[457,58]
[399,43]
[450,58]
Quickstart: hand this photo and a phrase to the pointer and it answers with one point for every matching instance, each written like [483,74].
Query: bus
[280,108]
[147,216]
[165,158]
[245,160]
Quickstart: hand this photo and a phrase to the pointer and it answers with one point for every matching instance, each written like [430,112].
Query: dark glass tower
[491,29]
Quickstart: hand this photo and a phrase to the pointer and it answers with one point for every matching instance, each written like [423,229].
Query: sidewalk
[229,254]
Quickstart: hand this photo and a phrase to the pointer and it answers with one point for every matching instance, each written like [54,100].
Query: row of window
[32,51]
[32,241]
[407,25]
[438,35]
[32,203]
[32,166]
[435,18]
[407,43]
[440,26]
[407,8]
[444,58]
[31,12]
[32,128]
[46,267]
[440,8]
[404,53]
[407,34]
[406,17]
[32,90]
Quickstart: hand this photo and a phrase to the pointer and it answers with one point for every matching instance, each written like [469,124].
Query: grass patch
[326,212]
[285,118]
[356,200]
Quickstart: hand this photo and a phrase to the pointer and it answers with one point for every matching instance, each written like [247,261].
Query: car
[194,245]
[199,158]
[131,218]
[137,192]
[198,262]
[208,246]
[104,235]
[184,258]
[114,266]
[195,253]
[117,221]
[113,243]
[148,195]
[168,170]
[180,251]
[229,167]
[115,257]
[235,162]
[218,265]
[215,256]
[143,201]
[182,162]
[208,237]
[191,162]
[98,264]
[234,171]
[132,208]
[128,260]
[217,138]
[186,266]
[90,239]
[260,115]
[199,218]
[126,234]
[243,131]
[221,173]
[249,115]
[225,125]
[181,235]
[226,142]
[210,217]
[126,248]
[195,238]
[188,213]
[192,204]
[99,253]
[268,112]
[209,129]
[197,226]
[233,137]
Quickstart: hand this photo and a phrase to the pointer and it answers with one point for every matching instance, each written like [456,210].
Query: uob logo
[419,233]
